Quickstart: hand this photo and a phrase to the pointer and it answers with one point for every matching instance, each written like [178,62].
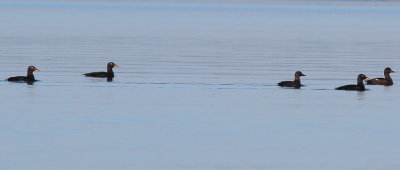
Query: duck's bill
[367,78]
[116,65]
[37,70]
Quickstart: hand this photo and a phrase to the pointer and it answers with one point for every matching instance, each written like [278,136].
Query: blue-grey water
[196,87]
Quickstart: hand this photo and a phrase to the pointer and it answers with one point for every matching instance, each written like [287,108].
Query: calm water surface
[196,87]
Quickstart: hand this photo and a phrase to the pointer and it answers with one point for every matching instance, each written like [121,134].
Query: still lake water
[196,87]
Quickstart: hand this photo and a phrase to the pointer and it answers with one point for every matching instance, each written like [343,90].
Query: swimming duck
[359,87]
[28,78]
[109,74]
[387,81]
[296,83]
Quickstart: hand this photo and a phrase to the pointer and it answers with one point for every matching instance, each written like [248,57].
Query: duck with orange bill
[28,78]
[359,87]
[109,74]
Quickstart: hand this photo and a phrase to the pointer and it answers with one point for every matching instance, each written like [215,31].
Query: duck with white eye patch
[28,78]
[109,74]
[359,87]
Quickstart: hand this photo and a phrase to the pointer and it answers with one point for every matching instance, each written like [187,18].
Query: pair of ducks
[30,78]
[387,81]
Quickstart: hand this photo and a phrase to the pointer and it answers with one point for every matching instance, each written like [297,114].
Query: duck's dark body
[387,81]
[22,78]
[295,84]
[359,87]
[100,74]
[109,74]
[28,78]
[352,87]
[380,81]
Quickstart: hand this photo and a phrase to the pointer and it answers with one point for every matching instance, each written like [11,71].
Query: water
[196,87]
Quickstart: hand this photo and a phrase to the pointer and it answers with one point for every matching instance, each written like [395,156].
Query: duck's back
[286,84]
[379,81]
[351,87]
[18,78]
[96,74]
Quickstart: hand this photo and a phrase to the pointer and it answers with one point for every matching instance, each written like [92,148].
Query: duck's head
[298,74]
[32,69]
[111,65]
[388,70]
[362,77]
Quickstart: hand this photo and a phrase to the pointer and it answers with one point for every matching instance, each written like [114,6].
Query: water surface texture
[196,87]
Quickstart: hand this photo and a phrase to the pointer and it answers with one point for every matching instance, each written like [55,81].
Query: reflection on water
[198,78]
[361,95]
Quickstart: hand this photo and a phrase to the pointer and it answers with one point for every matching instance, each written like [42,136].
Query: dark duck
[387,81]
[359,87]
[109,74]
[28,78]
[295,84]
